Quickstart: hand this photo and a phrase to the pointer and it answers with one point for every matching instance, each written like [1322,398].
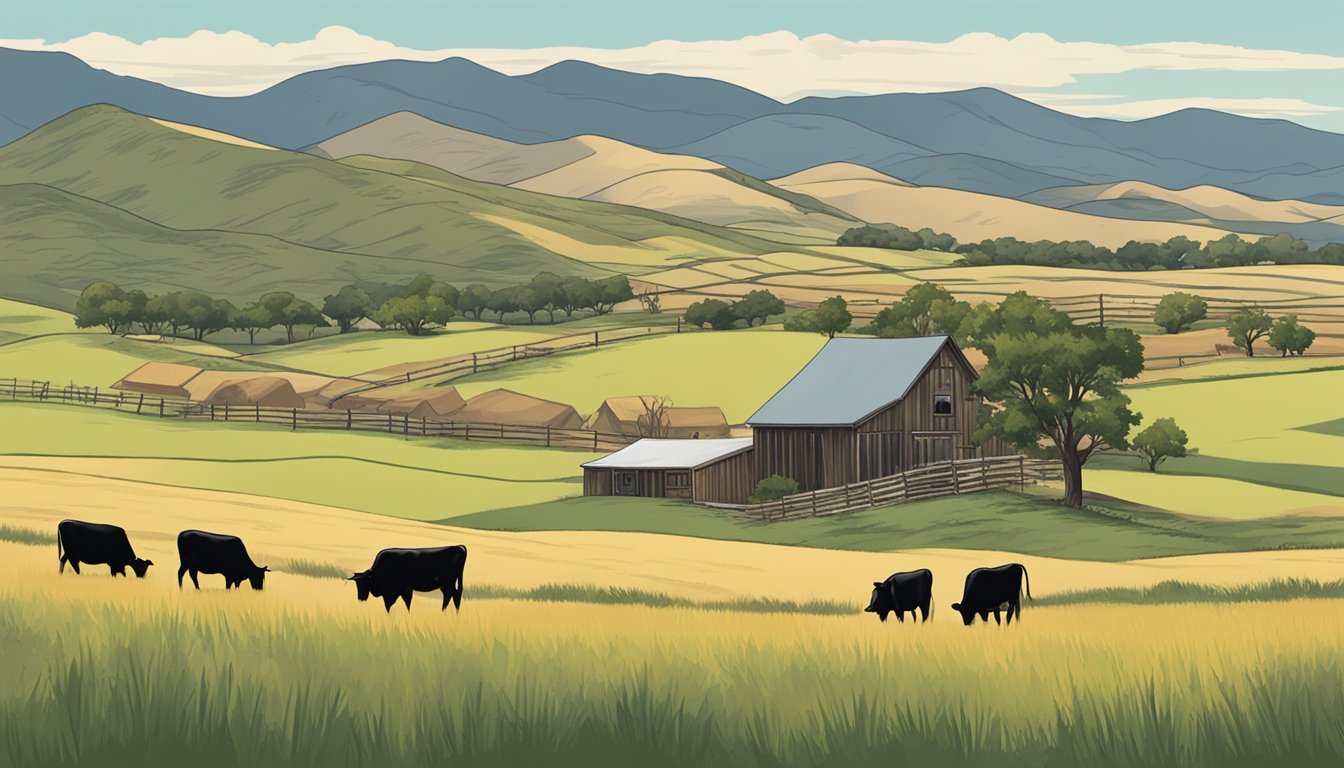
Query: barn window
[942,405]
[678,479]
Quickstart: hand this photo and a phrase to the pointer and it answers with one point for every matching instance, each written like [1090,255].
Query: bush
[1179,311]
[773,487]
[1159,441]
[1289,337]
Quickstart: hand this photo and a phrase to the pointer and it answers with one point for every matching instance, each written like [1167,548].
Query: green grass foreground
[92,684]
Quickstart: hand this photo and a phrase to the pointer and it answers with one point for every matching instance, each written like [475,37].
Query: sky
[1113,58]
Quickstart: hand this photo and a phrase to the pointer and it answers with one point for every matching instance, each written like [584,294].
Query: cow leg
[180,573]
[406,598]
[984,615]
[195,582]
[112,569]
[457,596]
[389,600]
[900,616]
[996,616]
[447,597]
[1011,608]
[74,564]
[924,613]
[64,559]
[228,583]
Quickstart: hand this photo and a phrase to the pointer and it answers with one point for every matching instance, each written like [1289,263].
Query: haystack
[626,416]
[264,391]
[436,403]
[160,379]
[502,406]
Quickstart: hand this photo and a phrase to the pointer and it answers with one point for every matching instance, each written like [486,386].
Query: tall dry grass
[103,672]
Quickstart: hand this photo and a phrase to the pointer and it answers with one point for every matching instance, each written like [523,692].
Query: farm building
[503,406]
[868,408]
[632,417]
[700,470]
[263,391]
[159,379]
[861,409]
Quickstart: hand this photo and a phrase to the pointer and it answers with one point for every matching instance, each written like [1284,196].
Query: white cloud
[778,64]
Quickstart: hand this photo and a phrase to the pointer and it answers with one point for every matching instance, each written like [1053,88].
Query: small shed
[159,379]
[629,416]
[503,406]
[712,470]
[263,391]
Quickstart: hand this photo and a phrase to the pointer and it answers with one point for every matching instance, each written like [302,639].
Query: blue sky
[1304,89]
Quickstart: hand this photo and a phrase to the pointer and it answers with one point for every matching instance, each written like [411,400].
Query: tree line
[415,307]
[1176,253]
[758,305]
[1178,312]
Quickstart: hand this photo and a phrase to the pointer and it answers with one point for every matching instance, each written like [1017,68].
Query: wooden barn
[868,408]
[713,471]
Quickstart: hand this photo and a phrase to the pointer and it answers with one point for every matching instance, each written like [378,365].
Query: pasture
[418,478]
[735,370]
[109,670]
[1264,447]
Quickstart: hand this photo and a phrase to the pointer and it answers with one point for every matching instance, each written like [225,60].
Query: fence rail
[462,365]
[945,479]
[14,389]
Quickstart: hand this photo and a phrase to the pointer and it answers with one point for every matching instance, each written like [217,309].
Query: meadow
[107,672]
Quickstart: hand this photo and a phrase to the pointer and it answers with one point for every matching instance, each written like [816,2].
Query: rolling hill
[980,139]
[103,191]
[968,216]
[1204,205]
[596,168]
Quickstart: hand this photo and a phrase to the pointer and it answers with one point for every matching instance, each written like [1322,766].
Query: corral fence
[467,364]
[944,479]
[297,418]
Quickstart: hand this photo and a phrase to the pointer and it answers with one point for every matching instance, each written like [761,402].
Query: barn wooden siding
[727,481]
[597,482]
[898,438]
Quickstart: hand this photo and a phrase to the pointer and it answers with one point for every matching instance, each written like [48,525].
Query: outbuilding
[707,471]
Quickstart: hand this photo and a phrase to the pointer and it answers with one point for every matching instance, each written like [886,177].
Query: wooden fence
[945,479]
[297,418]
[463,365]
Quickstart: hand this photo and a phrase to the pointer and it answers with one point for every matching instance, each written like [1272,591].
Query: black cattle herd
[398,573]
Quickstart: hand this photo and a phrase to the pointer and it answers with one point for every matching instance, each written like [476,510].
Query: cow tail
[457,596]
[1027,581]
[60,547]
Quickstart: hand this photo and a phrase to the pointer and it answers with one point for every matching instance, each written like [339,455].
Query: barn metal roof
[848,381]
[650,453]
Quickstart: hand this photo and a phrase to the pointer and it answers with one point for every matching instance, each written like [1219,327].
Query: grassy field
[1264,447]
[655,649]
[426,479]
[21,321]
[737,371]
[92,359]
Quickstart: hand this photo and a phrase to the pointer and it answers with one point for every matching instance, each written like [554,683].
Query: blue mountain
[980,139]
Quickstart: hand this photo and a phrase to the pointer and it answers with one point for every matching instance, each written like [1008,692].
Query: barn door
[626,483]
[879,454]
[931,449]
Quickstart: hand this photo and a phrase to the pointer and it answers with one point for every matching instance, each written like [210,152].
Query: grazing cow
[202,552]
[397,573]
[903,592]
[990,590]
[97,544]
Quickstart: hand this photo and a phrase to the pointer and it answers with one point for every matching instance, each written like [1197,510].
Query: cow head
[967,613]
[258,577]
[140,565]
[363,584]
[881,602]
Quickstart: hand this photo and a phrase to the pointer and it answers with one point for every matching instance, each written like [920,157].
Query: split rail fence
[297,418]
[945,479]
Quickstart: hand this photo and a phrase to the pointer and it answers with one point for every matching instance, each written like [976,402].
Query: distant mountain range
[978,140]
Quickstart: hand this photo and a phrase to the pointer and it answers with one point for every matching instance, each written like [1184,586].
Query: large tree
[758,305]
[611,291]
[251,320]
[104,304]
[1247,327]
[832,316]
[348,306]
[1056,384]
[1290,337]
[474,299]
[413,314]
[925,310]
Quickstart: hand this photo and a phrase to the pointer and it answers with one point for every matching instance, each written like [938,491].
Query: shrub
[1179,311]
[1160,440]
[773,487]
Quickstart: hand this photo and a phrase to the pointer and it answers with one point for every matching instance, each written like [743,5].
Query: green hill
[146,204]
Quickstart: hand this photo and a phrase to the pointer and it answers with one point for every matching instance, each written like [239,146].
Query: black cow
[202,552]
[990,590]
[97,544]
[903,592]
[397,573]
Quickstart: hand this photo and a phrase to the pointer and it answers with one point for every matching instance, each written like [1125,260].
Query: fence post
[956,483]
[212,411]
[160,407]
[814,503]
[406,425]
[595,339]
[594,439]
[349,419]
[95,395]
[678,323]
[1021,473]
[226,411]
[293,419]
[548,435]
[473,362]
[258,407]
[1101,309]
[140,404]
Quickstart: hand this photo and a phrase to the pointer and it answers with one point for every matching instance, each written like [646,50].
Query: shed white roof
[650,453]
